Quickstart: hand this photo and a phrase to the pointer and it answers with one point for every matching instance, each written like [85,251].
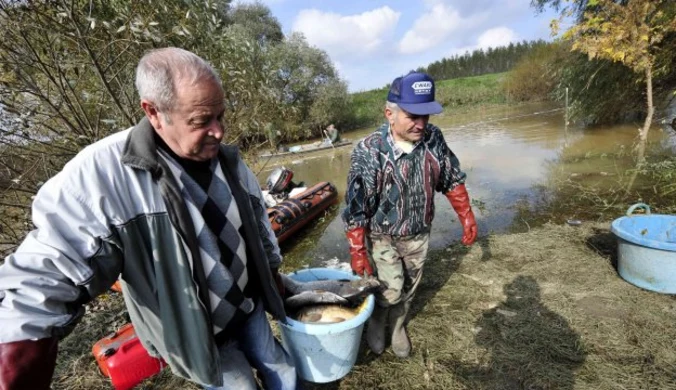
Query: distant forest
[479,62]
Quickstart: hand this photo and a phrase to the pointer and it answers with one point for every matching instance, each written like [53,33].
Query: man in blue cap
[393,175]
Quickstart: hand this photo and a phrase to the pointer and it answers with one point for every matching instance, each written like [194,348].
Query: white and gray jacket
[115,211]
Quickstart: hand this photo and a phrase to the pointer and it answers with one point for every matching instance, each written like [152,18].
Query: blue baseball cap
[414,93]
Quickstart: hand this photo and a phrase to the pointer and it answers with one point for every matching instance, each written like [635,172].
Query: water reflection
[505,151]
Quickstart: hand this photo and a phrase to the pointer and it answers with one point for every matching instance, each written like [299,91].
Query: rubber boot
[375,330]
[401,344]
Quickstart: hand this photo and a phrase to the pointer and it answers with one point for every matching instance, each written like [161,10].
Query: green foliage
[332,105]
[258,21]
[67,73]
[599,91]
[630,34]
[248,84]
[470,90]
[368,106]
[492,60]
[624,33]
[536,75]
[305,74]
[566,7]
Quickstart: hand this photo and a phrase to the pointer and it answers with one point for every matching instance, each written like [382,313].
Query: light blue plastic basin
[325,352]
[646,254]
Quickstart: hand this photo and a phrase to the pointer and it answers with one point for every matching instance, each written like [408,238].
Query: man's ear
[152,113]
[389,114]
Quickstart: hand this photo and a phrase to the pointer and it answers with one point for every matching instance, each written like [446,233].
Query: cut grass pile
[543,309]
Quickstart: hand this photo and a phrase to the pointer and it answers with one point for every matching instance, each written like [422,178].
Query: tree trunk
[643,133]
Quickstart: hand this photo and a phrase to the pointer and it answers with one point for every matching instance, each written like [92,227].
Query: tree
[627,33]
[67,70]
[258,21]
[67,79]
[302,73]
[331,105]
[250,93]
[536,74]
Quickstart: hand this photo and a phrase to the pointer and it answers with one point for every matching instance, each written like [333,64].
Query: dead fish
[314,297]
[341,291]
[325,314]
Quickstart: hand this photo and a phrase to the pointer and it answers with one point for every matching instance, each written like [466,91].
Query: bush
[536,76]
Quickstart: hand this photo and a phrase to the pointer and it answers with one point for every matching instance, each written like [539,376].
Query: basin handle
[631,209]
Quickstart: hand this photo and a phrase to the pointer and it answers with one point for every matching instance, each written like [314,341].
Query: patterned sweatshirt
[392,192]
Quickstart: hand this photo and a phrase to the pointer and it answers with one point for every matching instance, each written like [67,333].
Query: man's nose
[216,129]
[421,121]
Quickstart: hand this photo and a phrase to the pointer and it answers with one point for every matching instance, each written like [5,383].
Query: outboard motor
[280,181]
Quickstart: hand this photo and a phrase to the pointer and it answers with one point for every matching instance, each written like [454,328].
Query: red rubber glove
[460,201]
[360,260]
[27,364]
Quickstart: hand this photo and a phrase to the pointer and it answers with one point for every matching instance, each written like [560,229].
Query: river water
[505,151]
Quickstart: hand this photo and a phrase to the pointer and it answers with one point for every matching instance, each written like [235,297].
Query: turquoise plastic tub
[325,352]
[646,254]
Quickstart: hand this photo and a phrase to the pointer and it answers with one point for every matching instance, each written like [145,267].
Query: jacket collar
[140,150]
[393,149]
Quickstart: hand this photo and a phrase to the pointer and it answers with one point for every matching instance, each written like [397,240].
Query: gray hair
[160,70]
[392,106]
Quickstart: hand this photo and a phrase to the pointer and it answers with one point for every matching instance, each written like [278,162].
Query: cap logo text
[422,87]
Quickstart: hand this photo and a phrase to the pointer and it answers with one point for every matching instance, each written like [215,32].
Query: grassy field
[544,309]
[452,94]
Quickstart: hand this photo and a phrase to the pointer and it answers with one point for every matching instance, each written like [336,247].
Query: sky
[370,42]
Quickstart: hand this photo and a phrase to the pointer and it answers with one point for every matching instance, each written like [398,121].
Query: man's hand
[460,201]
[356,238]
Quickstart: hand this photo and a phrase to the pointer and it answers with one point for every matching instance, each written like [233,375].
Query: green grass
[461,92]
[485,89]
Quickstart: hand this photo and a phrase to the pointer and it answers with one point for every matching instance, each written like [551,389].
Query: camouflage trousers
[398,262]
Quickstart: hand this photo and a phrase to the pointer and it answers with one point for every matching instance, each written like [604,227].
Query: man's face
[193,128]
[406,126]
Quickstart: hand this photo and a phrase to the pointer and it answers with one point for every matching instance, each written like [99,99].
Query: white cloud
[495,37]
[435,26]
[354,34]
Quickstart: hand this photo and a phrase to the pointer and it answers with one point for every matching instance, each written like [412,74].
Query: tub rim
[620,231]
[324,329]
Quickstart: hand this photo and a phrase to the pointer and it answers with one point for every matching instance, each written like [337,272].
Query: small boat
[289,215]
[307,148]
[291,205]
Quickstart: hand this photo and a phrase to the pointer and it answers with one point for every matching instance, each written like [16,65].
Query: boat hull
[305,149]
[288,216]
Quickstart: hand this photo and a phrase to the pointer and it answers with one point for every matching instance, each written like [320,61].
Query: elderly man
[179,217]
[390,200]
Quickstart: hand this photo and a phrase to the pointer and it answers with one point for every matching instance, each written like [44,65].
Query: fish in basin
[330,291]
[325,314]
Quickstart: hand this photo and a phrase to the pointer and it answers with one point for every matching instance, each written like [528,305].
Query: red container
[122,358]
